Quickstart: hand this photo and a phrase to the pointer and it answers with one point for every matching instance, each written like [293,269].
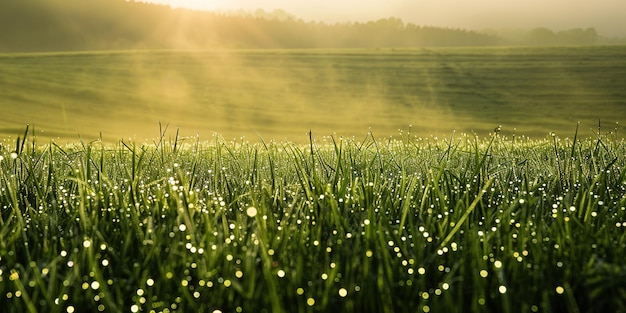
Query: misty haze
[271,74]
[327,156]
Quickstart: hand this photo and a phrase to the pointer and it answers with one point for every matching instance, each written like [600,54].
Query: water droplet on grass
[343,292]
[251,211]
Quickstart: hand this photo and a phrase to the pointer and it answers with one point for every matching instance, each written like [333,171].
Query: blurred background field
[284,94]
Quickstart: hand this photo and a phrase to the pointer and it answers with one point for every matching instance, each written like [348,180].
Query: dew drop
[251,211]
[343,292]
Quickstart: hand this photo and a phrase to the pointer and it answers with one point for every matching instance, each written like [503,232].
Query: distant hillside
[54,25]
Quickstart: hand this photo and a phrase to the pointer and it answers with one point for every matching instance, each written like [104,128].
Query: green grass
[411,224]
[282,94]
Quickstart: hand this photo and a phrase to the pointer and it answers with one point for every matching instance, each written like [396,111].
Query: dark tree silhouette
[53,25]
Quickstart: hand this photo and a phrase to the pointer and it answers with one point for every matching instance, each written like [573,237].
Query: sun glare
[195,4]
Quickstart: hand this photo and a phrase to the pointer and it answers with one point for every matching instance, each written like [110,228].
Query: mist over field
[155,158]
[118,69]
[606,16]
[285,94]
[56,25]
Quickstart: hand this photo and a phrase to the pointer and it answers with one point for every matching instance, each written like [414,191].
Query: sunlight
[196,4]
[281,155]
[479,14]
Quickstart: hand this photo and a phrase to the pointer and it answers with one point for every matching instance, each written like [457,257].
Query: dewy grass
[413,225]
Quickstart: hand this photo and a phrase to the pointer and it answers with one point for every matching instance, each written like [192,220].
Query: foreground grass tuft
[409,224]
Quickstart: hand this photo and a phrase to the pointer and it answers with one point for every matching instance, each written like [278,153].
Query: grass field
[462,224]
[282,94]
[326,199]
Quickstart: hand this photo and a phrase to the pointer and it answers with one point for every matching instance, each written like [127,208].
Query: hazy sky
[607,16]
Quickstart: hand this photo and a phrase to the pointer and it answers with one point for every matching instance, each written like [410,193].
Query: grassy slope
[411,225]
[283,94]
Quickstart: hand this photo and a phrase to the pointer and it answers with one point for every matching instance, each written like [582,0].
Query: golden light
[196,4]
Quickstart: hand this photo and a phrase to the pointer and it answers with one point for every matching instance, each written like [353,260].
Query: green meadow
[461,224]
[393,180]
[282,94]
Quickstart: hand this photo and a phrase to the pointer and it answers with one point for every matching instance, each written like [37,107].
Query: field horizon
[284,94]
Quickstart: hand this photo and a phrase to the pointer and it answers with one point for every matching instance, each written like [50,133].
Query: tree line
[55,25]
